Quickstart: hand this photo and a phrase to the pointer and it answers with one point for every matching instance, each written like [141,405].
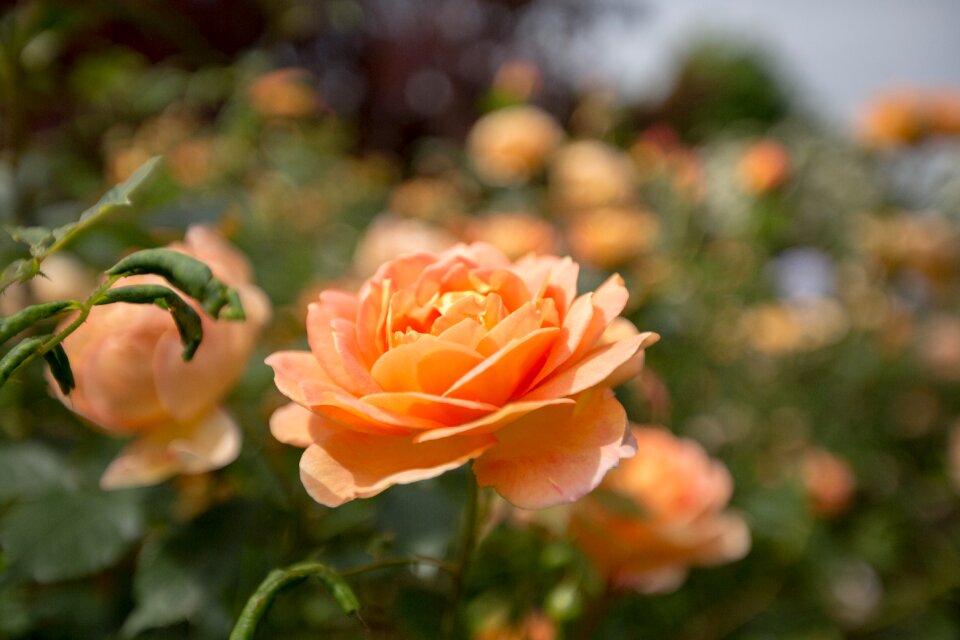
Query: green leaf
[37,238]
[12,325]
[185,273]
[187,320]
[60,368]
[67,535]
[119,196]
[19,355]
[29,469]
[19,270]
[167,589]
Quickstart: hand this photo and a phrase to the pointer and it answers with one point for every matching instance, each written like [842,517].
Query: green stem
[281,579]
[467,545]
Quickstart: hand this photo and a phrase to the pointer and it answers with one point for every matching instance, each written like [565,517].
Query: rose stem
[467,544]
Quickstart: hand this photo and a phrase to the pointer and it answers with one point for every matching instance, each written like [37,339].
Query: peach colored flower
[388,237]
[463,355]
[588,174]
[679,494]
[764,167]
[285,93]
[509,146]
[828,480]
[612,236]
[515,234]
[131,380]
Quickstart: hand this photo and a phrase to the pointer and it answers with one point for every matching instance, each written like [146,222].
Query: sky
[835,54]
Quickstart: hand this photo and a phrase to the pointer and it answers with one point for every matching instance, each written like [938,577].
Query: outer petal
[593,369]
[292,424]
[557,454]
[290,368]
[344,465]
[210,443]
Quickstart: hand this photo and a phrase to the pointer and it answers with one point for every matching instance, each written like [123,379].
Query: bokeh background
[779,184]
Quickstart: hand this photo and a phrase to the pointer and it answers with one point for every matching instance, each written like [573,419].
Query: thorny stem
[467,545]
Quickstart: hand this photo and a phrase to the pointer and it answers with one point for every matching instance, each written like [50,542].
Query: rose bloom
[612,236]
[285,93]
[589,174]
[828,480]
[388,237]
[509,146]
[515,234]
[764,167]
[132,381]
[463,355]
[679,494]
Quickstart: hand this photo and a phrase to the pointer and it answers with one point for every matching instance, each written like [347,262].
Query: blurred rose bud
[285,93]
[829,482]
[515,234]
[658,514]
[518,79]
[938,346]
[131,380]
[612,236]
[432,199]
[534,626]
[764,167]
[509,146]
[588,175]
[388,237]
[892,120]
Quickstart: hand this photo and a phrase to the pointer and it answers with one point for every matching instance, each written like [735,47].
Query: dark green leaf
[12,325]
[29,469]
[18,355]
[185,273]
[66,535]
[60,368]
[187,320]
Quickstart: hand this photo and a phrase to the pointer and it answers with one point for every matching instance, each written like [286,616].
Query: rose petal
[518,324]
[294,425]
[595,367]
[353,413]
[429,365]
[343,465]
[492,422]
[448,411]
[552,277]
[210,443]
[504,374]
[467,332]
[556,454]
[290,368]
[329,349]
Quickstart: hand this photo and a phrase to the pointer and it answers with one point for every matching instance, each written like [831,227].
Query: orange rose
[132,381]
[828,480]
[463,355]
[285,93]
[764,167]
[679,494]
[509,146]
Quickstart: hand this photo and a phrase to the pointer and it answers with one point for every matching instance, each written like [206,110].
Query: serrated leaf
[66,535]
[37,238]
[29,469]
[187,320]
[19,270]
[118,196]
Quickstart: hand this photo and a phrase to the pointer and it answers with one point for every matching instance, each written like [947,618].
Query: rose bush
[132,381]
[673,517]
[457,356]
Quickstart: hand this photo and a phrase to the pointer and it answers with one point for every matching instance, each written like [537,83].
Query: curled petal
[343,465]
[290,368]
[210,443]
[557,454]
[595,367]
[292,424]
